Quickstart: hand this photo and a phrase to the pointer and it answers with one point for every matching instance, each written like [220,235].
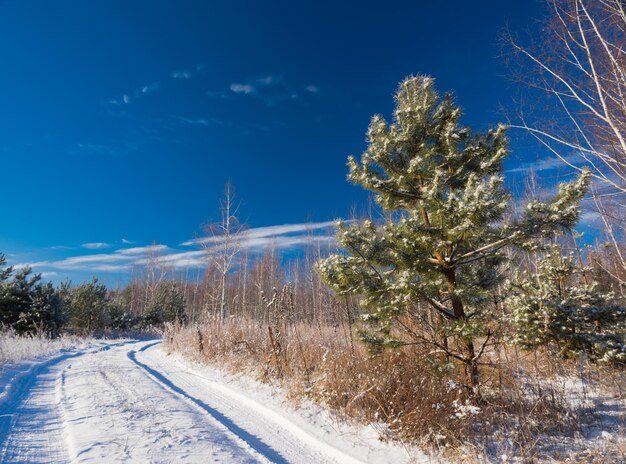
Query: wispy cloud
[150,249]
[268,80]
[188,73]
[268,231]
[545,164]
[128,98]
[95,245]
[150,87]
[242,88]
[178,260]
[590,219]
[47,275]
[254,241]
[126,242]
[139,92]
[181,74]
[271,89]
[197,122]
[117,260]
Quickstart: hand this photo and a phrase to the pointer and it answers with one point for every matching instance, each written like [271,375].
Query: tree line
[28,305]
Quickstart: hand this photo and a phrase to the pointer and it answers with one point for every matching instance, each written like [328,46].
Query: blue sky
[121,121]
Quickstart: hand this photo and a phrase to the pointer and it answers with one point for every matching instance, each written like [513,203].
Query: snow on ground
[127,401]
[602,418]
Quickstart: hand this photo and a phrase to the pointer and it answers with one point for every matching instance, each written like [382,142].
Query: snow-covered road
[129,402]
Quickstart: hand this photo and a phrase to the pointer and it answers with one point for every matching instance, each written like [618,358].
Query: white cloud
[127,242]
[284,236]
[267,80]
[70,263]
[20,266]
[197,122]
[591,219]
[179,259]
[141,250]
[150,87]
[126,99]
[109,268]
[546,164]
[242,88]
[188,73]
[95,245]
[184,74]
[282,242]
[269,231]
[271,89]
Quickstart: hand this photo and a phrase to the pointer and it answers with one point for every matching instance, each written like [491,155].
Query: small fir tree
[167,305]
[556,305]
[4,273]
[439,250]
[46,312]
[16,298]
[6,314]
[90,307]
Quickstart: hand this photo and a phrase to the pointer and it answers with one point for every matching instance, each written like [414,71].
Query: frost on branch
[554,306]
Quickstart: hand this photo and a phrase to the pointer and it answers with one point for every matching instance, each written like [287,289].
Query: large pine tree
[437,255]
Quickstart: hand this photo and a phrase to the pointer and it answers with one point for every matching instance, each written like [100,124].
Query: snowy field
[127,401]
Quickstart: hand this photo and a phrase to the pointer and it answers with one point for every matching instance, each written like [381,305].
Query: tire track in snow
[129,402]
[261,449]
[304,446]
[116,412]
[31,424]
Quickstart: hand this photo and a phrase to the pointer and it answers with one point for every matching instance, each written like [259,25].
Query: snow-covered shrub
[15,348]
[559,305]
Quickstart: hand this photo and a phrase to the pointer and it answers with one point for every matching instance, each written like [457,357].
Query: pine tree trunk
[471,364]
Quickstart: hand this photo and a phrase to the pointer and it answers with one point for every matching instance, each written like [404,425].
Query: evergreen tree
[556,305]
[5,309]
[120,317]
[90,307]
[16,298]
[167,305]
[4,273]
[447,207]
[47,311]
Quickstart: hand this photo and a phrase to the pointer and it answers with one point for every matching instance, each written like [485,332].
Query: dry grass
[15,348]
[531,409]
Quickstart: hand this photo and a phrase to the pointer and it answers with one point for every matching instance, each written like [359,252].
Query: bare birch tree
[578,67]
[223,243]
